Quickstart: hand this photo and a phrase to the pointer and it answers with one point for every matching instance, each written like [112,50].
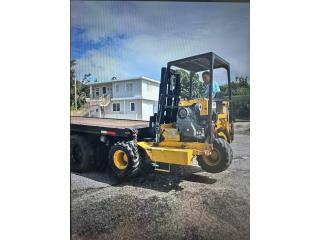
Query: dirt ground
[185,204]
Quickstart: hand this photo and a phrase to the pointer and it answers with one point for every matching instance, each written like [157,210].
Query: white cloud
[160,32]
[97,63]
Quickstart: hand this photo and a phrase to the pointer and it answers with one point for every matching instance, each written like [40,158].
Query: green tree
[239,87]
[198,87]
[82,89]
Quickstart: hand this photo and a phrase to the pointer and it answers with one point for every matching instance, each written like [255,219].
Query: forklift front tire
[219,160]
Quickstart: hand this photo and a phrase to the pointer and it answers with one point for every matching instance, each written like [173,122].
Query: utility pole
[75,94]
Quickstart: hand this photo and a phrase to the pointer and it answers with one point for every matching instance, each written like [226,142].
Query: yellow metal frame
[170,135]
[171,151]
[168,155]
[196,147]
[223,126]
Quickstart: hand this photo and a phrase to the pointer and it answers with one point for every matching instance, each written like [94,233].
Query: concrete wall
[125,109]
[122,90]
[143,110]
[150,90]
[148,109]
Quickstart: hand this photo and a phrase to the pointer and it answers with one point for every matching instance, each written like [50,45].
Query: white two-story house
[135,98]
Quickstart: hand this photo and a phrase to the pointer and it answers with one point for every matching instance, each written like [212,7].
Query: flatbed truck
[91,139]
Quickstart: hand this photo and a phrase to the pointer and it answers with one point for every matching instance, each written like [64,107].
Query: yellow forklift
[183,129]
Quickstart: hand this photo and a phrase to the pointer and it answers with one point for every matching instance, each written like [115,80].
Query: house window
[148,87]
[97,92]
[132,107]
[117,87]
[129,87]
[104,90]
[116,107]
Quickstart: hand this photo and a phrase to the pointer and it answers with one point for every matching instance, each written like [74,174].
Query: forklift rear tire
[219,160]
[124,159]
[81,154]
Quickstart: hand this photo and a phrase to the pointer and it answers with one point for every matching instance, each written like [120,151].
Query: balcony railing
[92,105]
[102,101]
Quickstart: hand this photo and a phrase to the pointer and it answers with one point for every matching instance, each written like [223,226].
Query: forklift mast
[169,96]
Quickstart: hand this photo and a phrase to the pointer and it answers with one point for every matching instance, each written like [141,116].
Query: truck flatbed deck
[107,126]
[109,122]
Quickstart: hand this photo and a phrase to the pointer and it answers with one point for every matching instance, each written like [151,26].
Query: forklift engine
[190,124]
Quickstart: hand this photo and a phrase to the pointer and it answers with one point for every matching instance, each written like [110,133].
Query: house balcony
[102,101]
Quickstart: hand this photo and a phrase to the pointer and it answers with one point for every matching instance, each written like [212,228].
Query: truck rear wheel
[124,159]
[81,154]
[219,160]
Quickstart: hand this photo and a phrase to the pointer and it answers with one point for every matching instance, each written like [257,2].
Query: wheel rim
[120,159]
[212,159]
[76,154]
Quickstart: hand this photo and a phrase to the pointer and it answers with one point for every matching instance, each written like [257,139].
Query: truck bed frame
[109,127]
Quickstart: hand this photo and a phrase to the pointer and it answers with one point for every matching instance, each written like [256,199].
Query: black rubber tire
[81,154]
[225,159]
[131,150]
[146,166]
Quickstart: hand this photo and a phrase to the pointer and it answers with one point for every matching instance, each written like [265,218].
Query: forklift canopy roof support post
[190,87]
[230,94]
[209,121]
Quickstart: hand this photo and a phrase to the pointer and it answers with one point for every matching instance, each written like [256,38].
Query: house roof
[129,79]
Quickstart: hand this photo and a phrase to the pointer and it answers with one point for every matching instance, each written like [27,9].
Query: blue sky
[130,39]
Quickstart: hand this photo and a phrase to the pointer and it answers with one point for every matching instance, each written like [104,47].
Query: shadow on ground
[158,181]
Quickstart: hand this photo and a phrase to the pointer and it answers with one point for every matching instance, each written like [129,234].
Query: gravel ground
[185,204]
